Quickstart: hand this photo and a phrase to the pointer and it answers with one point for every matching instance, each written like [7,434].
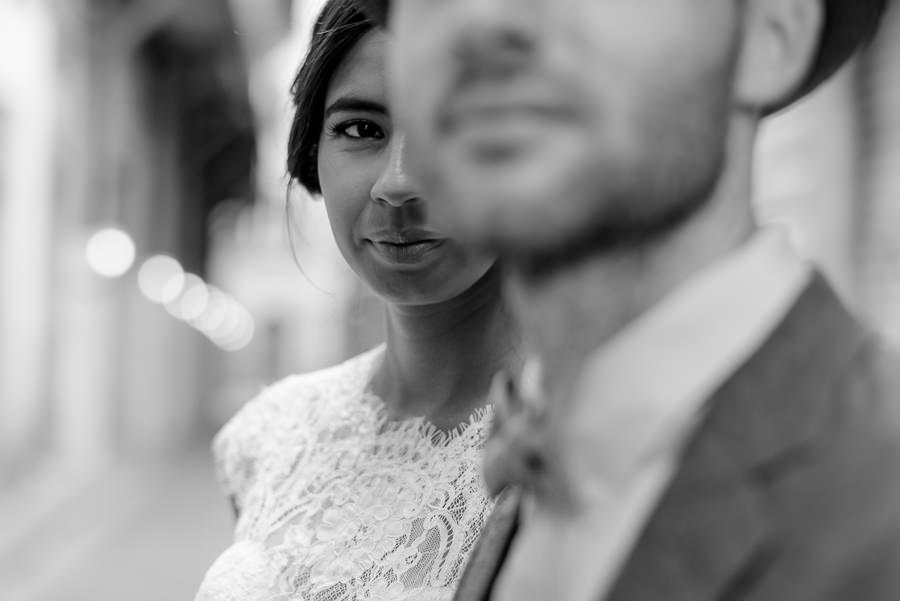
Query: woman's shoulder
[297,394]
[282,413]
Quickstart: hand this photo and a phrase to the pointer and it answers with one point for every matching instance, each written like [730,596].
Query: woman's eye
[360,130]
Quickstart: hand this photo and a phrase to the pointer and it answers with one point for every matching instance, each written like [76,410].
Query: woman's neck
[439,359]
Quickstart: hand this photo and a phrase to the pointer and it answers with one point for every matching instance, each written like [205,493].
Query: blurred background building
[156,271]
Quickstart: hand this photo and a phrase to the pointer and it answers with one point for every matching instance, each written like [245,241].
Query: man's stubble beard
[631,218]
[634,203]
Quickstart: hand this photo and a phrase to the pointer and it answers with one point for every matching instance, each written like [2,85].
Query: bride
[362,481]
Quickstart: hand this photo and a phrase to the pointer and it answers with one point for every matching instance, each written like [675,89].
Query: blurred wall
[131,115]
[878,227]
[27,112]
[127,115]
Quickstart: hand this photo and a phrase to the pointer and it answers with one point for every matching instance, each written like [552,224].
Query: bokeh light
[173,288]
[110,252]
[159,276]
[175,292]
[194,300]
[188,298]
[215,313]
[239,332]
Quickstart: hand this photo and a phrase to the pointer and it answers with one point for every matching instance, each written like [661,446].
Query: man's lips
[490,105]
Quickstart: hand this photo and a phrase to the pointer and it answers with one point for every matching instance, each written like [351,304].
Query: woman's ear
[780,42]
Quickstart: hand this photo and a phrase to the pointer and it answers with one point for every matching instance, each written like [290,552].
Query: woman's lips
[405,252]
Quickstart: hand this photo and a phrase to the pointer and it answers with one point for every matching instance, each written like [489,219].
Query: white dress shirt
[632,410]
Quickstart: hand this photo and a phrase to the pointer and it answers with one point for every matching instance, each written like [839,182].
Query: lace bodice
[339,503]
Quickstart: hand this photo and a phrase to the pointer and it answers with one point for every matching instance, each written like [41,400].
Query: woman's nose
[395,185]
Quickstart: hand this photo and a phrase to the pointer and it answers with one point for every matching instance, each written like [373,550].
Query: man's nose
[496,37]
[395,186]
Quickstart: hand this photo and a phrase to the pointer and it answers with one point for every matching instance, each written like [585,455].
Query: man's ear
[780,42]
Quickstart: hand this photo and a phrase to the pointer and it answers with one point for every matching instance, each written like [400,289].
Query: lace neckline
[439,437]
[339,502]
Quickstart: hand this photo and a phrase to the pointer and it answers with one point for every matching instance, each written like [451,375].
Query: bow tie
[517,453]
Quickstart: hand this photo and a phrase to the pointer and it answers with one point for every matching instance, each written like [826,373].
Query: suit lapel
[487,557]
[710,534]
[709,530]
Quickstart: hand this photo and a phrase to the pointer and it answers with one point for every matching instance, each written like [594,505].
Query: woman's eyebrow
[355,103]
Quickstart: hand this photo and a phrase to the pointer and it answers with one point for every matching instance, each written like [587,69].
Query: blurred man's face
[545,125]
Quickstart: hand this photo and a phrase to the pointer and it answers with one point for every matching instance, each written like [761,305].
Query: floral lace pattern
[340,503]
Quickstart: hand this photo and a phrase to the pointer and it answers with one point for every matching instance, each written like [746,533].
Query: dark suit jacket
[788,491]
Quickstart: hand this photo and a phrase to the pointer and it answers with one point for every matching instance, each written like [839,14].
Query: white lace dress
[339,503]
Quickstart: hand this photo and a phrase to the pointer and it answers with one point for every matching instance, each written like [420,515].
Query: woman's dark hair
[339,27]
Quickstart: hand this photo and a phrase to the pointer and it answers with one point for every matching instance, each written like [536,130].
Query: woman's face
[382,225]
